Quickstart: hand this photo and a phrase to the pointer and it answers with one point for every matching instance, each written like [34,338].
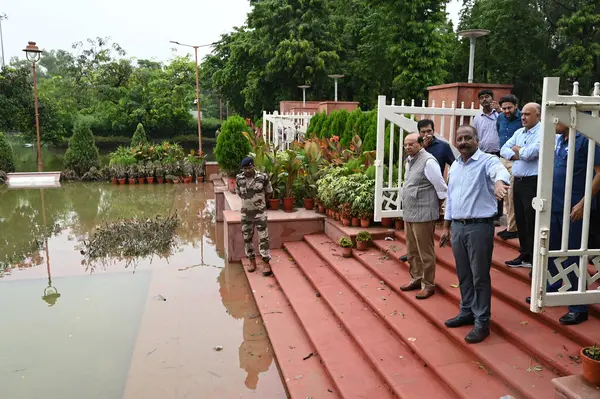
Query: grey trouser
[473,245]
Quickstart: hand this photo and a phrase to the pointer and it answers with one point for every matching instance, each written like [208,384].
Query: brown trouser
[420,250]
[508,199]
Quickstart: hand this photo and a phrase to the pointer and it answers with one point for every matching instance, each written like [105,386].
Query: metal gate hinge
[538,204]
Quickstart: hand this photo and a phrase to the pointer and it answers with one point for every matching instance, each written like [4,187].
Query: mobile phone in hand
[443,241]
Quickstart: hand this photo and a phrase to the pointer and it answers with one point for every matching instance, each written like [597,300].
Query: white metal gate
[283,129]
[387,189]
[568,110]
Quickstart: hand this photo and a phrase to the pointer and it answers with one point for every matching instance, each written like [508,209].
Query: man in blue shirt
[440,150]
[508,122]
[523,149]
[577,313]
[475,182]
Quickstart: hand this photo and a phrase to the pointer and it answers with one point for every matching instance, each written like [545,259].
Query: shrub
[232,146]
[351,128]
[139,136]
[338,122]
[82,153]
[7,160]
[324,128]
[364,236]
[346,242]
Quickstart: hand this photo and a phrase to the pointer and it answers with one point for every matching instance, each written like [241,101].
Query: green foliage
[346,242]
[315,124]
[7,162]
[139,136]
[338,123]
[82,153]
[325,128]
[351,128]
[364,236]
[232,146]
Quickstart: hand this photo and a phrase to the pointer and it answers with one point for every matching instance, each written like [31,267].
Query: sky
[142,27]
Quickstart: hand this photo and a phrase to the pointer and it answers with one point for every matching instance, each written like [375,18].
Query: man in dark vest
[423,191]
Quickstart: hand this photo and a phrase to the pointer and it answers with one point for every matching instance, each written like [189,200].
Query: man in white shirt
[423,191]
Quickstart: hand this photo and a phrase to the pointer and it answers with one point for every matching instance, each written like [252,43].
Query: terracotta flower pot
[176,181]
[274,204]
[591,368]
[345,222]
[200,179]
[321,208]
[113,180]
[364,223]
[150,180]
[362,245]
[188,179]
[121,181]
[131,181]
[288,204]
[347,252]
[309,204]
[161,180]
[170,181]
[141,180]
[387,222]
[355,222]
[232,184]
[399,224]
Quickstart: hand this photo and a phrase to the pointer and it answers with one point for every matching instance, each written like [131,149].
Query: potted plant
[187,170]
[150,170]
[113,174]
[311,171]
[346,213]
[321,208]
[121,173]
[363,239]
[399,224]
[590,360]
[159,171]
[273,169]
[291,168]
[346,244]
[141,173]
[132,171]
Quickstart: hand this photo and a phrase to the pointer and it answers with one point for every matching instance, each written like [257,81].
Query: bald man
[423,191]
[523,149]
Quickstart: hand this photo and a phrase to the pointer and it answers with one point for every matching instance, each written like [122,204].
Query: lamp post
[197,88]
[2,16]
[335,79]
[304,87]
[33,53]
[472,34]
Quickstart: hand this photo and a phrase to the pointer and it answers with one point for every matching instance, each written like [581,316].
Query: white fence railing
[572,111]
[387,188]
[283,129]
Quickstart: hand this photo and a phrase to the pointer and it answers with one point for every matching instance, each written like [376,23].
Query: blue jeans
[556,225]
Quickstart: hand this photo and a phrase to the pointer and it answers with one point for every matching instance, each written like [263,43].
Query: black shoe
[509,235]
[528,300]
[477,335]
[404,258]
[573,318]
[501,233]
[519,261]
[460,321]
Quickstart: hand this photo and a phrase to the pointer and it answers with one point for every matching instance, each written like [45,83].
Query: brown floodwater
[178,326]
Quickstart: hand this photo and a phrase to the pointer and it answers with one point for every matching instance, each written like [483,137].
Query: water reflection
[255,352]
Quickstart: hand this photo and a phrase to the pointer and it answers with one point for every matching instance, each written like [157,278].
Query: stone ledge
[575,387]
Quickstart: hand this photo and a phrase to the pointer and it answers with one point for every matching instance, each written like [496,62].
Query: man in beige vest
[423,191]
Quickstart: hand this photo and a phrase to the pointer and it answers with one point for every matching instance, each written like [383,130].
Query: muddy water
[139,332]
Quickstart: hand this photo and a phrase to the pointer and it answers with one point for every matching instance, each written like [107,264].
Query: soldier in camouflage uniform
[254,188]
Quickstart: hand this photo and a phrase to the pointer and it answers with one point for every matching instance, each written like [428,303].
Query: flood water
[68,333]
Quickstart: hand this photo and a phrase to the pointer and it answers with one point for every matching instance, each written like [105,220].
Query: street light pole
[197,89]
[335,79]
[32,53]
[304,87]
[472,34]
[2,16]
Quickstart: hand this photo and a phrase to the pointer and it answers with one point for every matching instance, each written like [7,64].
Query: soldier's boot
[267,268]
[252,267]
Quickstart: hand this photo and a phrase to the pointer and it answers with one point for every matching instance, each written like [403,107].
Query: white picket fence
[283,129]
[387,191]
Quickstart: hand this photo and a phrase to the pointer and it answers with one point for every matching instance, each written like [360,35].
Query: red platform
[368,339]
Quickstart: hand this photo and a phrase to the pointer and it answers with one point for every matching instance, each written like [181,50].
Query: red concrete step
[347,366]
[513,243]
[534,337]
[400,368]
[452,365]
[514,291]
[503,353]
[290,342]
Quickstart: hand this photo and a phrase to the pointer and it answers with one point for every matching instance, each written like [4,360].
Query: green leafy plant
[292,165]
[7,161]
[149,168]
[346,242]
[232,146]
[593,352]
[82,153]
[364,236]
[159,169]
[139,136]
